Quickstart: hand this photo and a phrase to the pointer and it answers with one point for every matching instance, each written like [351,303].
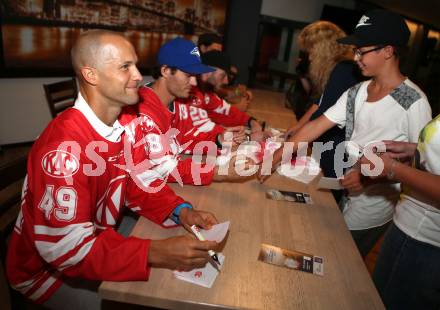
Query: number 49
[62,205]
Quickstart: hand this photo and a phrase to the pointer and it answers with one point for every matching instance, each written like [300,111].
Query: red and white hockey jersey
[218,109]
[194,126]
[158,135]
[72,198]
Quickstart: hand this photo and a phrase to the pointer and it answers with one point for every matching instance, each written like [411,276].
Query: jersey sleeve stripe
[25,286]
[79,256]
[59,231]
[51,251]
[43,288]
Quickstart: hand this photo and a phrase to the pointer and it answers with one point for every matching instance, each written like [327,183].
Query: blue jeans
[407,273]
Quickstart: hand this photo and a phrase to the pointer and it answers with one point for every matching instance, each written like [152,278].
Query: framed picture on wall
[37,35]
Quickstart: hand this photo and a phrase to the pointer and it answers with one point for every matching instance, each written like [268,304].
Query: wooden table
[269,106]
[246,283]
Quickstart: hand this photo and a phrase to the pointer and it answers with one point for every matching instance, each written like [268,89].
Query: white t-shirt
[398,116]
[416,216]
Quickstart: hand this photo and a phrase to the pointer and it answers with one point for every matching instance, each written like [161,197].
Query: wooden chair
[11,182]
[60,95]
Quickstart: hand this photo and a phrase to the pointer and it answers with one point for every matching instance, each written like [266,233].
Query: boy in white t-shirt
[386,107]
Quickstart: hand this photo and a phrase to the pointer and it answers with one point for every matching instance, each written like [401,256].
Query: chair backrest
[60,95]
[11,182]
[13,174]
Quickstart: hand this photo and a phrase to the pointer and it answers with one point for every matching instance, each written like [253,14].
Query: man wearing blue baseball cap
[183,55]
[161,128]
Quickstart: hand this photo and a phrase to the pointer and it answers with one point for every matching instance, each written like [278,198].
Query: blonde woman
[331,72]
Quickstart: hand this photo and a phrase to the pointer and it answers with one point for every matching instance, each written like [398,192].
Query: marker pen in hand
[199,236]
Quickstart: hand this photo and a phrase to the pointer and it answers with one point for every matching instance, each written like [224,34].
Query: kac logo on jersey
[195,51]
[60,164]
[147,124]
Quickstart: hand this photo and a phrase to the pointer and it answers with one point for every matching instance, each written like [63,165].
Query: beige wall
[23,109]
[24,112]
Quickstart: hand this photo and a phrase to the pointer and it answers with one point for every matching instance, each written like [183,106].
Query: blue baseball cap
[183,55]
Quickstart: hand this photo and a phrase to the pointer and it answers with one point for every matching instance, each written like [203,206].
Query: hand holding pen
[198,234]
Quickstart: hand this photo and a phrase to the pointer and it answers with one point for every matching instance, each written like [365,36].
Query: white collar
[111,133]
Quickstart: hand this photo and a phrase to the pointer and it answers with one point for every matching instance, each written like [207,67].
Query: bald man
[64,240]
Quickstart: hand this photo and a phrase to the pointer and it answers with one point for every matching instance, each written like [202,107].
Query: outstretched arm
[303,120]
[309,132]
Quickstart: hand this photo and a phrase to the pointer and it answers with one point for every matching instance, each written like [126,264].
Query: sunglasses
[358,53]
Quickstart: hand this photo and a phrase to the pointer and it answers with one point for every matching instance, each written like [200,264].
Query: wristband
[176,212]
[391,174]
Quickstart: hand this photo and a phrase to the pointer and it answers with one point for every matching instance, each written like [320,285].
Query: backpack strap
[351,101]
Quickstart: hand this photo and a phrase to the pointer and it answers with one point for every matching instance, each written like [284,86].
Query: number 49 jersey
[72,198]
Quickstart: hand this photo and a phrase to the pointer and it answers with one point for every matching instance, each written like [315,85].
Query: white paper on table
[202,276]
[206,276]
[304,170]
[217,232]
[329,183]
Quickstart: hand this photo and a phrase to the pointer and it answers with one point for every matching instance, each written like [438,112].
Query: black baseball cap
[217,59]
[379,27]
[208,39]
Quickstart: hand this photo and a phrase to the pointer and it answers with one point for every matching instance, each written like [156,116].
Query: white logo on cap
[363,21]
[195,51]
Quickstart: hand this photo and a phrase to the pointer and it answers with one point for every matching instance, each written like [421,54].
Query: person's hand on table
[352,181]
[182,253]
[203,219]
[231,174]
[238,135]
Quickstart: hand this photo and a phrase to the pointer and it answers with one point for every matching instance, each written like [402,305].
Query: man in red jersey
[75,191]
[166,128]
[219,110]
[236,94]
